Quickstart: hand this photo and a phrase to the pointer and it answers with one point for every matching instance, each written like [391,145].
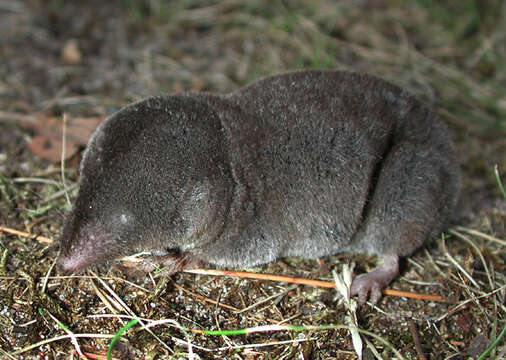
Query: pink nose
[72,264]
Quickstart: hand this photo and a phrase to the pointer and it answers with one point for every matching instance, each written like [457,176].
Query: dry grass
[450,53]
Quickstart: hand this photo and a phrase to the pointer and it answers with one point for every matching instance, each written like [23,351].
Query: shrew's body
[304,164]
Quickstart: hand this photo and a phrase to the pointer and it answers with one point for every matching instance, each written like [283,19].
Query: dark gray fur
[307,164]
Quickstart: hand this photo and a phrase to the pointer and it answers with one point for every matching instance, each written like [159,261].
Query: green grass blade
[118,335]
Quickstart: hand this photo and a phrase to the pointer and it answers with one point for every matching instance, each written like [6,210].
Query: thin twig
[48,341]
[457,265]
[73,338]
[59,193]
[266,299]
[310,282]
[214,302]
[35,180]
[27,235]
[130,311]
[480,255]
[482,235]
[416,340]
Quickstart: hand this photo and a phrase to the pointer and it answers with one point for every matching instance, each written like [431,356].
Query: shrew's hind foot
[371,284]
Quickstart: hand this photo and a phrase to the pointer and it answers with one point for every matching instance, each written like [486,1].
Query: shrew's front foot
[372,283]
[169,263]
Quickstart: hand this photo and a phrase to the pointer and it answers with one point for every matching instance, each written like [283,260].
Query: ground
[87,59]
